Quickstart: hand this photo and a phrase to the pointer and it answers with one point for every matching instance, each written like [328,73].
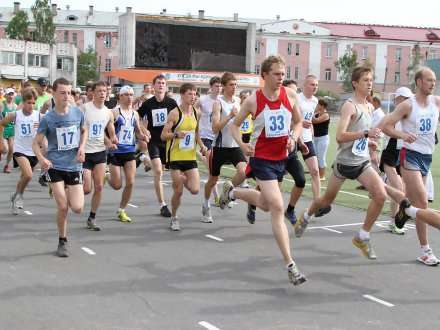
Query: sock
[411,211]
[62,239]
[290,208]
[142,157]
[163,204]
[92,215]
[425,248]
[120,210]
[290,265]
[206,203]
[363,235]
[231,195]
[307,216]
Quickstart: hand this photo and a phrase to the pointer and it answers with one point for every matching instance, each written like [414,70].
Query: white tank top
[423,123]
[95,120]
[205,123]
[25,131]
[224,138]
[307,107]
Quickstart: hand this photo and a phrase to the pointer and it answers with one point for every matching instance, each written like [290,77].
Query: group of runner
[259,133]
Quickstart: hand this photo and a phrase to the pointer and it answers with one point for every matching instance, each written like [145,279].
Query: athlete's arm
[139,131]
[217,123]
[167,134]
[321,118]
[110,127]
[10,117]
[249,107]
[202,146]
[84,133]
[297,120]
[38,145]
[388,122]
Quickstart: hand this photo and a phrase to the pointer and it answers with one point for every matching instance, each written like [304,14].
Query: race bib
[125,135]
[187,142]
[25,130]
[96,130]
[425,125]
[360,147]
[308,116]
[275,123]
[245,125]
[67,137]
[159,117]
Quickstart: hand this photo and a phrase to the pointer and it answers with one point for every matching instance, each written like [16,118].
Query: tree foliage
[414,65]
[344,66]
[18,26]
[87,67]
[45,28]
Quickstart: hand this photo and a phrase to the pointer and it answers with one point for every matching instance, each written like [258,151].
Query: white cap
[126,89]
[404,91]
[9,91]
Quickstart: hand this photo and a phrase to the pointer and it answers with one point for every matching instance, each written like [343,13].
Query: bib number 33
[275,123]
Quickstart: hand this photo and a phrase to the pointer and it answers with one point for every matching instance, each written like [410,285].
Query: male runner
[7,107]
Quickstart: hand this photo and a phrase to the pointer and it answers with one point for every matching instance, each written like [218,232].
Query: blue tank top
[124,129]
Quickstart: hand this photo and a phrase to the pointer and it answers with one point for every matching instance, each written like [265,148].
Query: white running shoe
[428,258]
[174,225]
[206,215]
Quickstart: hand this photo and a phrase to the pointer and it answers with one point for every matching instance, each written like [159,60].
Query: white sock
[411,211]
[163,204]
[142,157]
[307,217]
[120,210]
[231,195]
[425,248]
[206,203]
[363,235]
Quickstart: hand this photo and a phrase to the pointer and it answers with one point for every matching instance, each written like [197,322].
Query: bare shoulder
[347,108]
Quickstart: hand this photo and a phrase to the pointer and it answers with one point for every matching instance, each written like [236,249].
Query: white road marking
[380,301]
[88,251]
[332,230]
[208,325]
[215,238]
[132,205]
[28,212]
[343,225]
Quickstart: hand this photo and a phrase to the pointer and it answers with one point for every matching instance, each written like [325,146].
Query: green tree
[18,26]
[414,65]
[344,66]
[45,29]
[87,67]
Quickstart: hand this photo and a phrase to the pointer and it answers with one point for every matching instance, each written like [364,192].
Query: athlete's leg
[10,150]
[26,174]
[75,197]
[176,177]
[98,174]
[333,187]
[115,180]
[59,194]
[130,173]
[156,163]
[192,182]
[87,181]
[312,165]
[240,174]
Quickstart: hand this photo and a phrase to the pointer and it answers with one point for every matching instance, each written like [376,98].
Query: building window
[75,38]
[66,36]
[12,58]
[257,46]
[288,72]
[108,64]
[329,51]
[296,73]
[328,74]
[297,49]
[364,53]
[432,55]
[65,64]
[397,78]
[38,60]
[107,40]
[398,54]
[257,69]
[289,49]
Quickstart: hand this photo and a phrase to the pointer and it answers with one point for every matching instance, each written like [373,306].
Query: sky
[387,12]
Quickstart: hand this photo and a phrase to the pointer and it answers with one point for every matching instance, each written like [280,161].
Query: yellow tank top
[247,125]
[185,148]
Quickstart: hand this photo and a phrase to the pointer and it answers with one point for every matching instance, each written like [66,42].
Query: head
[244,94]
[62,92]
[376,102]
[89,91]
[188,94]
[26,84]
[322,105]
[273,70]
[159,85]
[425,80]
[100,90]
[109,89]
[148,89]
[215,85]
[42,85]
[229,84]
[126,96]
[29,96]
[402,94]
[362,80]
[310,85]
[292,84]
[9,94]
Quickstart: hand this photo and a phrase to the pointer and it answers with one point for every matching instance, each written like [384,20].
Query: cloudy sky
[389,12]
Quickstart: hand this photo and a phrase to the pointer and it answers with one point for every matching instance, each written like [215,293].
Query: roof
[387,32]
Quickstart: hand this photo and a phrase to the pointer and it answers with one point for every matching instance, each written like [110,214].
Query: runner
[66,135]
[43,95]
[26,123]
[8,106]
[225,149]
[277,123]
[419,118]
[376,117]
[182,133]
[353,160]
[154,113]
[98,118]
[126,122]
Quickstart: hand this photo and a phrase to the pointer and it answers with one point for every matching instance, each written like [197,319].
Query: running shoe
[217,201]
[428,258]
[62,250]
[291,216]
[174,225]
[123,217]
[14,207]
[295,277]
[401,216]
[244,184]
[392,228]
[225,199]
[250,215]
[7,169]
[301,225]
[147,168]
[137,157]
[323,211]
[206,215]
[365,247]
[42,180]
[165,212]
[19,201]
[91,224]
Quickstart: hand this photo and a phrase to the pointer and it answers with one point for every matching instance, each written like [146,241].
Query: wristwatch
[365,133]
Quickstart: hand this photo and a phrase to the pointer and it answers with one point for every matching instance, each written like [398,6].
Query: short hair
[323,103]
[420,72]
[215,80]
[29,93]
[245,91]
[158,77]
[26,84]
[376,99]
[288,82]
[358,72]
[227,77]
[89,86]
[269,61]
[60,81]
[187,87]
[147,85]
[99,84]
[311,76]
